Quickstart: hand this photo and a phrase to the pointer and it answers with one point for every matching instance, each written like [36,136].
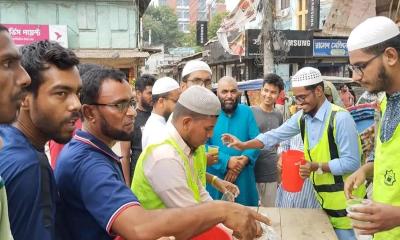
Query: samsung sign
[330,48]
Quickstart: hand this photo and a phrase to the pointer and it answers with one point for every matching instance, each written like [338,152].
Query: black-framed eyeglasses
[358,68]
[201,82]
[121,106]
[301,98]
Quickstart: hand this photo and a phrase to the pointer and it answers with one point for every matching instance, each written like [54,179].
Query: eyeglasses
[173,100]
[121,107]
[358,68]
[302,98]
[201,82]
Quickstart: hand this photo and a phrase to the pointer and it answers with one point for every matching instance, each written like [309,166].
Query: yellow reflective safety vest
[142,188]
[200,162]
[329,189]
[387,174]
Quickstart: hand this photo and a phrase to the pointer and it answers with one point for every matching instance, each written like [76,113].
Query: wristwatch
[319,169]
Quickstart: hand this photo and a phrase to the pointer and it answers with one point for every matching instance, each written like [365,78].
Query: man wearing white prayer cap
[196,72]
[329,134]
[374,48]
[171,168]
[165,94]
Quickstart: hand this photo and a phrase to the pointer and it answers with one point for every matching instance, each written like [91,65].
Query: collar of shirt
[91,140]
[321,113]
[395,96]
[174,134]
[158,118]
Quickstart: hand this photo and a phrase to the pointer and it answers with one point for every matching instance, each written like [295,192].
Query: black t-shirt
[136,141]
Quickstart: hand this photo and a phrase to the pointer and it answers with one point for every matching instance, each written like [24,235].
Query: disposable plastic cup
[212,149]
[354,202]
[291,161]
[228,196]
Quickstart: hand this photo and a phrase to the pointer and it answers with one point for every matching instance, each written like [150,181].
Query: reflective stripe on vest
[386,188]
[328,187]
[142,188]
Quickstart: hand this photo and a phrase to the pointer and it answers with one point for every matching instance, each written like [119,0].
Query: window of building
[285,4]
[183,27]
[182,13]
[182,3]
[162,2]
[302,13]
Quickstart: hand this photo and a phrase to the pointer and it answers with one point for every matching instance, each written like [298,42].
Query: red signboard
[24,34]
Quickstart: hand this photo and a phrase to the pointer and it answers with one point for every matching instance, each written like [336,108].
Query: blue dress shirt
[346,136]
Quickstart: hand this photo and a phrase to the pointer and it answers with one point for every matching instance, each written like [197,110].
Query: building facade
[103,32]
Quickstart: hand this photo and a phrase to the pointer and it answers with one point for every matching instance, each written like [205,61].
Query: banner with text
[24,34]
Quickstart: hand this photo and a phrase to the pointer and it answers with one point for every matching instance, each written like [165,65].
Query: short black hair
[37,57]
[93,80]
[3,28]
[86,67]
[314,86]
[155,97]
[144,81]
[377,49]
[275,80]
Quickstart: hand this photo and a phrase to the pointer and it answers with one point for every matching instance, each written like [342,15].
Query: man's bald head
[227,80]
[228,94]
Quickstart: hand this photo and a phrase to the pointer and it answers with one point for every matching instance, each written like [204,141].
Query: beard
[53,130]
[382,83]
[227,108]
[148,107]
[113,133]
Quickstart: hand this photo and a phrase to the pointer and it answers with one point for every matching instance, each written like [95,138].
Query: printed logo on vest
[390,177]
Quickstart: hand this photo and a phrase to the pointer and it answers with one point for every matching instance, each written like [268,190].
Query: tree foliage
[164,26]
[189,39]
[215,23]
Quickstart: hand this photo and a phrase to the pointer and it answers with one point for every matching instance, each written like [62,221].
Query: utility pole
[267,33]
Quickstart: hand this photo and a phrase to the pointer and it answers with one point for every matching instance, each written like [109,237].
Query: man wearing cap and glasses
[330,141]
[165,94]
[374,48]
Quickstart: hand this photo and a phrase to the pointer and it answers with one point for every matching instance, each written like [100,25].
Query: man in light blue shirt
[315,114]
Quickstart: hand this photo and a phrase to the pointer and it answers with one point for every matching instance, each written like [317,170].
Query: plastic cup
[354,202]
[212,149]
[228,196]
[291,161]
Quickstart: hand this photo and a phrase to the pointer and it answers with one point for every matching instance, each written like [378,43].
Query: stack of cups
[354,202]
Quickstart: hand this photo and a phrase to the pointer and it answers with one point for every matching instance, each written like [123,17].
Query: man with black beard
[49,111]
[374,54]
[13,82]
[132,148]
[165,94]
[96,203]
[233,165]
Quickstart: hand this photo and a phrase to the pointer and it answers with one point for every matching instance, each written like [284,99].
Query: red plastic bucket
[215,233]
[291,161]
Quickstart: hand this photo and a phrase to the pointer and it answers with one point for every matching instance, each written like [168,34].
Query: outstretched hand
[232,141]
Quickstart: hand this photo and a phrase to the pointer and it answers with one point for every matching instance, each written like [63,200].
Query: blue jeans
[345,234]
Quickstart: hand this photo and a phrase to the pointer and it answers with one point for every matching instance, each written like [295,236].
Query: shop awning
[117,58]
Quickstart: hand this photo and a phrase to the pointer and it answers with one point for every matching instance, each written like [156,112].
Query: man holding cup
[331,146]
[374,48]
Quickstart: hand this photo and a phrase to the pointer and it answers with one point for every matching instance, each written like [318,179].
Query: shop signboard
[24,34]
[330,48]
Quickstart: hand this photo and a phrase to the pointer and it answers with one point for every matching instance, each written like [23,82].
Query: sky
[231,4]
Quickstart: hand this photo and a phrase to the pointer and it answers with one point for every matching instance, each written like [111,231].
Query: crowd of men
[168,182]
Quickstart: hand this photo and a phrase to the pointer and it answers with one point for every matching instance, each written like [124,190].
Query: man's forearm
[253,144]
[368,169]
[183,223]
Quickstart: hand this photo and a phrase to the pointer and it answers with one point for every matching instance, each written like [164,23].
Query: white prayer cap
[200,100]
[372,31]
[195,65]
[164,85]
[306,76]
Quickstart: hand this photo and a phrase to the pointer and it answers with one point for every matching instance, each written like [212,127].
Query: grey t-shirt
[265,169]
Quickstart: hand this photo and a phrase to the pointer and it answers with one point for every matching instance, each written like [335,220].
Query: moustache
[74,117]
